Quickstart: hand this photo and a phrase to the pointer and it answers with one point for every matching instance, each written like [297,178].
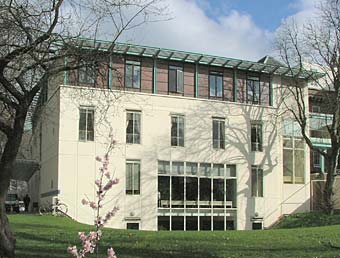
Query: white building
[199,141]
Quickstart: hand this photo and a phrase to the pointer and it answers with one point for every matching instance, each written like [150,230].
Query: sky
[242,29]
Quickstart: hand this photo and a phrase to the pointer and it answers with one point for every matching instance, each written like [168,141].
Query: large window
[132,177]
[256,181]
[86,124]
[196,195]
[177,130]
[215,84]
[293,153]
[256,136]
[87,72]
[132,74]
[175,79]
[253,90]
[133,126]
[293,160]
[218,133]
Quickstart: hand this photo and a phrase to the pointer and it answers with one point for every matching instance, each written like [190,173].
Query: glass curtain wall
[196,196]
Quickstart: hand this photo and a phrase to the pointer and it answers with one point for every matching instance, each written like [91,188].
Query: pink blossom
[87,247]
[111,253]
[72,250]
[82,236]
[99,159]
[110,183]
[107,174]
[97,182]
[84,202]
[92,235]
[93,205]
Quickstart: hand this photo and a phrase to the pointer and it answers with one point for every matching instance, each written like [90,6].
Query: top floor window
[216,84]
[87,72]
[175,79]
[86,124]
[132,74]
[253,90]
[256,136]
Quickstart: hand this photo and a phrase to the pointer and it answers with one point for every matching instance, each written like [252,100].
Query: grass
[314,219]
[48,236]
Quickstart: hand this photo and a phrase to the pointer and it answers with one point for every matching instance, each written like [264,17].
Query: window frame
[178,137]
[256,145]
[133,112]
[88,65]
[294,148]
[134,64]
[216,74]
[219,120]
[86,138]
[176,68]
[252,80]
[258,192]
[132,191]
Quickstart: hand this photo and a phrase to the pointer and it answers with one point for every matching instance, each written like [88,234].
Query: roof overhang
[192,57]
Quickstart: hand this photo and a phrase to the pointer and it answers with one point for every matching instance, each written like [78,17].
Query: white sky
[191,29]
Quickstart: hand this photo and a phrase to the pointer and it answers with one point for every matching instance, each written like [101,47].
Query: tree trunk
[328,193]
[7,240]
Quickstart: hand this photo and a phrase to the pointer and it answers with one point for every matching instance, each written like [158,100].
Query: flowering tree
[90,241]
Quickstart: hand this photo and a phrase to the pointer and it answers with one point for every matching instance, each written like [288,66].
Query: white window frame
[87,109]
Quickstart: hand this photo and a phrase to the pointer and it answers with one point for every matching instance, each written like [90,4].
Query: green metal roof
[192,57]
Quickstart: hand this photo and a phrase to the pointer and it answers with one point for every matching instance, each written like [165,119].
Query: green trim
[196,81]
[154,88]
[271,95]
[235,85]
[322,163]
[110,74]
[66,74]
[193,57]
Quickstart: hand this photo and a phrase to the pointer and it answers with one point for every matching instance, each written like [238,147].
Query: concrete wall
[76,168]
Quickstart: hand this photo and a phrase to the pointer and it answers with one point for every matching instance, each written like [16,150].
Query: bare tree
[36,37]
[316,45]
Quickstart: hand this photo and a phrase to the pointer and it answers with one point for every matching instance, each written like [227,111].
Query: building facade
[200,144]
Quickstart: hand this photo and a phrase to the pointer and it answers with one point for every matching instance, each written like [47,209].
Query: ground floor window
[132,225]
[194,223]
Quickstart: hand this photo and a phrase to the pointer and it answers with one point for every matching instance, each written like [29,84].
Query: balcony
[318,130]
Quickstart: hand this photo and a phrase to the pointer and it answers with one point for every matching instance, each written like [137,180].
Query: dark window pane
[205,192]
[205,223]
[191,223]
[177,223]
[218,223]
[218,193]
[163,191]
[212,85]
[128,76]
[231,193]
[136,77]
[219,86]
[177,191]
[133,226]
[82,120]
[172,80]
[179,81]
[163,223]
[192,192]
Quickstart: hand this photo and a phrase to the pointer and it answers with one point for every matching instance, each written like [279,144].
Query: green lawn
[48,236]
